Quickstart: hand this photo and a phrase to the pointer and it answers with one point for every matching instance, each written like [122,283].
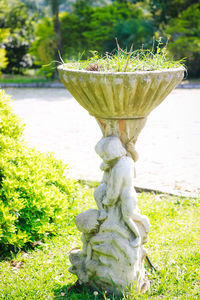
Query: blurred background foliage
[34,32]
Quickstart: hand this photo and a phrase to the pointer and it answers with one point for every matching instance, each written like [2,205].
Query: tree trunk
[57,29]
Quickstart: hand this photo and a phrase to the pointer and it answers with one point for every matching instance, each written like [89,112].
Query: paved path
[169,145]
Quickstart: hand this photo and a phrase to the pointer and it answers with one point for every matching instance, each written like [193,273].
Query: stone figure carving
[120,184]
[112,236]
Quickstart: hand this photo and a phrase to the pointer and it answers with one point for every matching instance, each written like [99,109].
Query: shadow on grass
[81,292]
[9,252]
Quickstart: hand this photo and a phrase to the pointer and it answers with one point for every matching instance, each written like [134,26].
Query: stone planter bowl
[120,101]
[120,95]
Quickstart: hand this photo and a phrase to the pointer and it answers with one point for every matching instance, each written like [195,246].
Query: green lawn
[173,247]
[31,77]
[22,79]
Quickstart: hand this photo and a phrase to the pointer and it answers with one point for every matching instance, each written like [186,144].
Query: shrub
[34,193]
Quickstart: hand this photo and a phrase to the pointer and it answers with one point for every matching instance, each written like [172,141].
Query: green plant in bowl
[129,61]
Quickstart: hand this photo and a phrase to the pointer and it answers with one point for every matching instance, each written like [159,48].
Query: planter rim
[63,67]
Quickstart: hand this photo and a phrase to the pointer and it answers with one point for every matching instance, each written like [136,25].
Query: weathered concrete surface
[125,95]
[168,146]
[183,85]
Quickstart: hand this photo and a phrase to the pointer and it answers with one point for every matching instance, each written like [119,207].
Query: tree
[79,8]
[56,23]
[75,42]
[129,23]
[101,24]
[163,11]
[16,18]
[54,6]
[185,38]
[44,46]
[137,29]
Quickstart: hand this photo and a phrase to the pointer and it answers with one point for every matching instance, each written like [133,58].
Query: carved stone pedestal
[113,236]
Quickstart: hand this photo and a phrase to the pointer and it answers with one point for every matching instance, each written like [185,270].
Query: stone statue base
[113,236]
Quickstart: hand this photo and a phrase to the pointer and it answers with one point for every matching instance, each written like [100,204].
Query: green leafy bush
[34,193]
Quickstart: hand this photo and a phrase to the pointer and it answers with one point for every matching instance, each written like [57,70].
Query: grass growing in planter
[132,61]
[173,248]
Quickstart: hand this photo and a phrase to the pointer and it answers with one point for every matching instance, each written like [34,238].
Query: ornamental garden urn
[113,235]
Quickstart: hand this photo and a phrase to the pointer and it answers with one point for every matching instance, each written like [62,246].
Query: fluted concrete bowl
[120,95]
